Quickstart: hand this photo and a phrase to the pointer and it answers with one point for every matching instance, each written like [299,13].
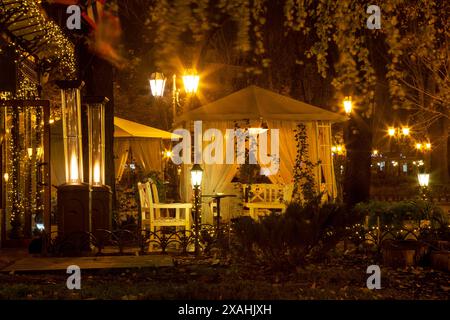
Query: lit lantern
[348,105]
[418,146]
[71,118]
[167,154]
[424,179]
[428,146]
[96,125]
[157,84]
[191,80]
[405,131]
[196,175]
[391,131]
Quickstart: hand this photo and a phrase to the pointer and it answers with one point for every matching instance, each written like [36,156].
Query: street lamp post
[191,81]
[196,180]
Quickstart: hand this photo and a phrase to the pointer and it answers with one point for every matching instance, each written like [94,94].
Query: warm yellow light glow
[167,154]
[418,146]
[428,146]
[157,84]
[96,173]
[424,179]
[375,152]
[391,131]
[74,176]
[338,149]
[6,177]
[30,152]
[191,80]
[51,121]
[348,105]
[405,131]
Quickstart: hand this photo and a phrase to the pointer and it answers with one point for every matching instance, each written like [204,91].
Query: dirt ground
[343,277]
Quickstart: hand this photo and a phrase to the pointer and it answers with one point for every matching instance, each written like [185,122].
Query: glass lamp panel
[71,116]
[157,84]
[96,144]
[196,178]
[191,80]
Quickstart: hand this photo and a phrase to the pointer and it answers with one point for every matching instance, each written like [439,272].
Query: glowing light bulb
[405,131]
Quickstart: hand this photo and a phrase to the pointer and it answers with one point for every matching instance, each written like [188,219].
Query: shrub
[284,241]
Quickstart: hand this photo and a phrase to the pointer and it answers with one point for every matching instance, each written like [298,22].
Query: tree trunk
[439,132]
[358,143]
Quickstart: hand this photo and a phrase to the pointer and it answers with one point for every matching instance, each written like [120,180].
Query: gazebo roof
[254,102]
[128,129]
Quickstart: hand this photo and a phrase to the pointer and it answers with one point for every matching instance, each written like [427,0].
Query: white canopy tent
[247,108]
[144,142]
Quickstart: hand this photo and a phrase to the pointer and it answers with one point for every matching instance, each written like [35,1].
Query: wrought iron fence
[131,239]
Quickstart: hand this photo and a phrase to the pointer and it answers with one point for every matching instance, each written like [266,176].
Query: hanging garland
[48,39]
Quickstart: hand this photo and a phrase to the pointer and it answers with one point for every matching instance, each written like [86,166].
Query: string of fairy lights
[44,33]
[21,197]
[30,34]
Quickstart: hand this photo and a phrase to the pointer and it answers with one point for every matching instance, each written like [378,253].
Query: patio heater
[73,195]
[101,195]
[196,180]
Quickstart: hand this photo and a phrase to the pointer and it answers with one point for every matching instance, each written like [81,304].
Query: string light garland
[36,34]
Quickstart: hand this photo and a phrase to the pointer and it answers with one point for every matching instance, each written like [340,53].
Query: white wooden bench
[265,197]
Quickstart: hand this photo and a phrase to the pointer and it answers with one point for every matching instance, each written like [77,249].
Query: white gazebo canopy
[245,109]
[128,129]
[254,103]
[143,142]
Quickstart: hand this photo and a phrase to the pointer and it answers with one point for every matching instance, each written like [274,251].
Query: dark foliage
[305,232]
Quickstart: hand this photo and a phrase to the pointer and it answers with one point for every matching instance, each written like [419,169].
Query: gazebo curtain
[121,152]
[216,177]
[145,151]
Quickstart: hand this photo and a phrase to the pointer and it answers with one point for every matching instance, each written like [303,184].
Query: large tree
[320,51]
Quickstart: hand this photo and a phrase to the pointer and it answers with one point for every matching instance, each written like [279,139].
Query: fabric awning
[255,103]
[128,129]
